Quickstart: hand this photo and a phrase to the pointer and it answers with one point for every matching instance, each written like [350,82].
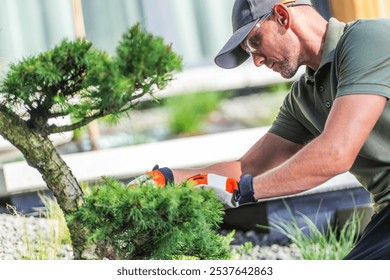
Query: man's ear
[282,16]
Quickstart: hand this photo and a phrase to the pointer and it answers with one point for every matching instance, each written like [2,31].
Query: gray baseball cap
[245,15]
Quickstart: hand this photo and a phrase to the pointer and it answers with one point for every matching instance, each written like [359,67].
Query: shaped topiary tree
[75,79]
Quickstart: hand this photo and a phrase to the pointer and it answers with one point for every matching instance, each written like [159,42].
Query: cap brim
[232,55]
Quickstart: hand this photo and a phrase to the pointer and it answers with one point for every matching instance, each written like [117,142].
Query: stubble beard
[289,69]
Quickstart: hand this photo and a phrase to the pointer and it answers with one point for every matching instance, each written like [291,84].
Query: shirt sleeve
[287,124]
[363,59]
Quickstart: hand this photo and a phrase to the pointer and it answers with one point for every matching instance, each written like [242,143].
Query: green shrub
[175,222]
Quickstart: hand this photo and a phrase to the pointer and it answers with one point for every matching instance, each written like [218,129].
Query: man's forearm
[308,168]
[228,169]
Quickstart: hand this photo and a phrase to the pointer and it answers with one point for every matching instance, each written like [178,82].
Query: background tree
[77,80]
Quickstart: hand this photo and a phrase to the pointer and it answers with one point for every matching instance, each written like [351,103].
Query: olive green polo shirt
[355,60]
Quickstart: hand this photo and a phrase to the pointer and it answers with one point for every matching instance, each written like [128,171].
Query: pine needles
[175,222]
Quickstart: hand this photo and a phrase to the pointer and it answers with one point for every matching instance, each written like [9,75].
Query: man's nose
[258,59]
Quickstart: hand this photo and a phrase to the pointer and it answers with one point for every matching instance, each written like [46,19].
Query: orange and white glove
[158,177]
[231,192]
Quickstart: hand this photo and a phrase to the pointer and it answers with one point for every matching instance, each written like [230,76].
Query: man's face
[274,46]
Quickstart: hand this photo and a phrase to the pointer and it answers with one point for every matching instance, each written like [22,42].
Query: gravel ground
[18,234]
[262,247]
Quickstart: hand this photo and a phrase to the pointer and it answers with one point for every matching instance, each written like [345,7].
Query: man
[335,119]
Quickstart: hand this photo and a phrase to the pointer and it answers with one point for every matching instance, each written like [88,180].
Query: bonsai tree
[75,79]
[110,221]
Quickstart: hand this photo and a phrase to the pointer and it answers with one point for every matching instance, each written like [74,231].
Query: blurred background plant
[332,242]
[187,112]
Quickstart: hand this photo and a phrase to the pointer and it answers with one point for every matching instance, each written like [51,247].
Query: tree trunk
[41,154]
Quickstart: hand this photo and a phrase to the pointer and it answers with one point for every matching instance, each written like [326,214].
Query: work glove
[231,192]
[159,177]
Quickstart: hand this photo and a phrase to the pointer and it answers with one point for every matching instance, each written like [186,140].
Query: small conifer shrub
[145,222]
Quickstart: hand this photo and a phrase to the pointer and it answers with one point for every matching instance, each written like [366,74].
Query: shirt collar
[333,34]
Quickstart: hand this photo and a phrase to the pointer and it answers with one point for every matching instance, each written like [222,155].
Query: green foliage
[332,243]
[146,59]
[76,79]
[145,222]
[187,111]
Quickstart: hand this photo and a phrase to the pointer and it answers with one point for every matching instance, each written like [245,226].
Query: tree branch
[64,128]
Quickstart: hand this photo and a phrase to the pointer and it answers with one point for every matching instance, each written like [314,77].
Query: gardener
[336,117]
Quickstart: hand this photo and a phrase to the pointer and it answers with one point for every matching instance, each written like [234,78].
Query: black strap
[167,172]
[245,193]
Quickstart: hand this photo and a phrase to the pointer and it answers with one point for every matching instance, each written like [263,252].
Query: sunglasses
[252,43]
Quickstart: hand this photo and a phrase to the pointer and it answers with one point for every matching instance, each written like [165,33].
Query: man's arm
[333,152]
[268,152]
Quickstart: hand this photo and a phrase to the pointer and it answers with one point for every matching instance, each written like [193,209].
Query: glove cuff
[166,172]
[245,192]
